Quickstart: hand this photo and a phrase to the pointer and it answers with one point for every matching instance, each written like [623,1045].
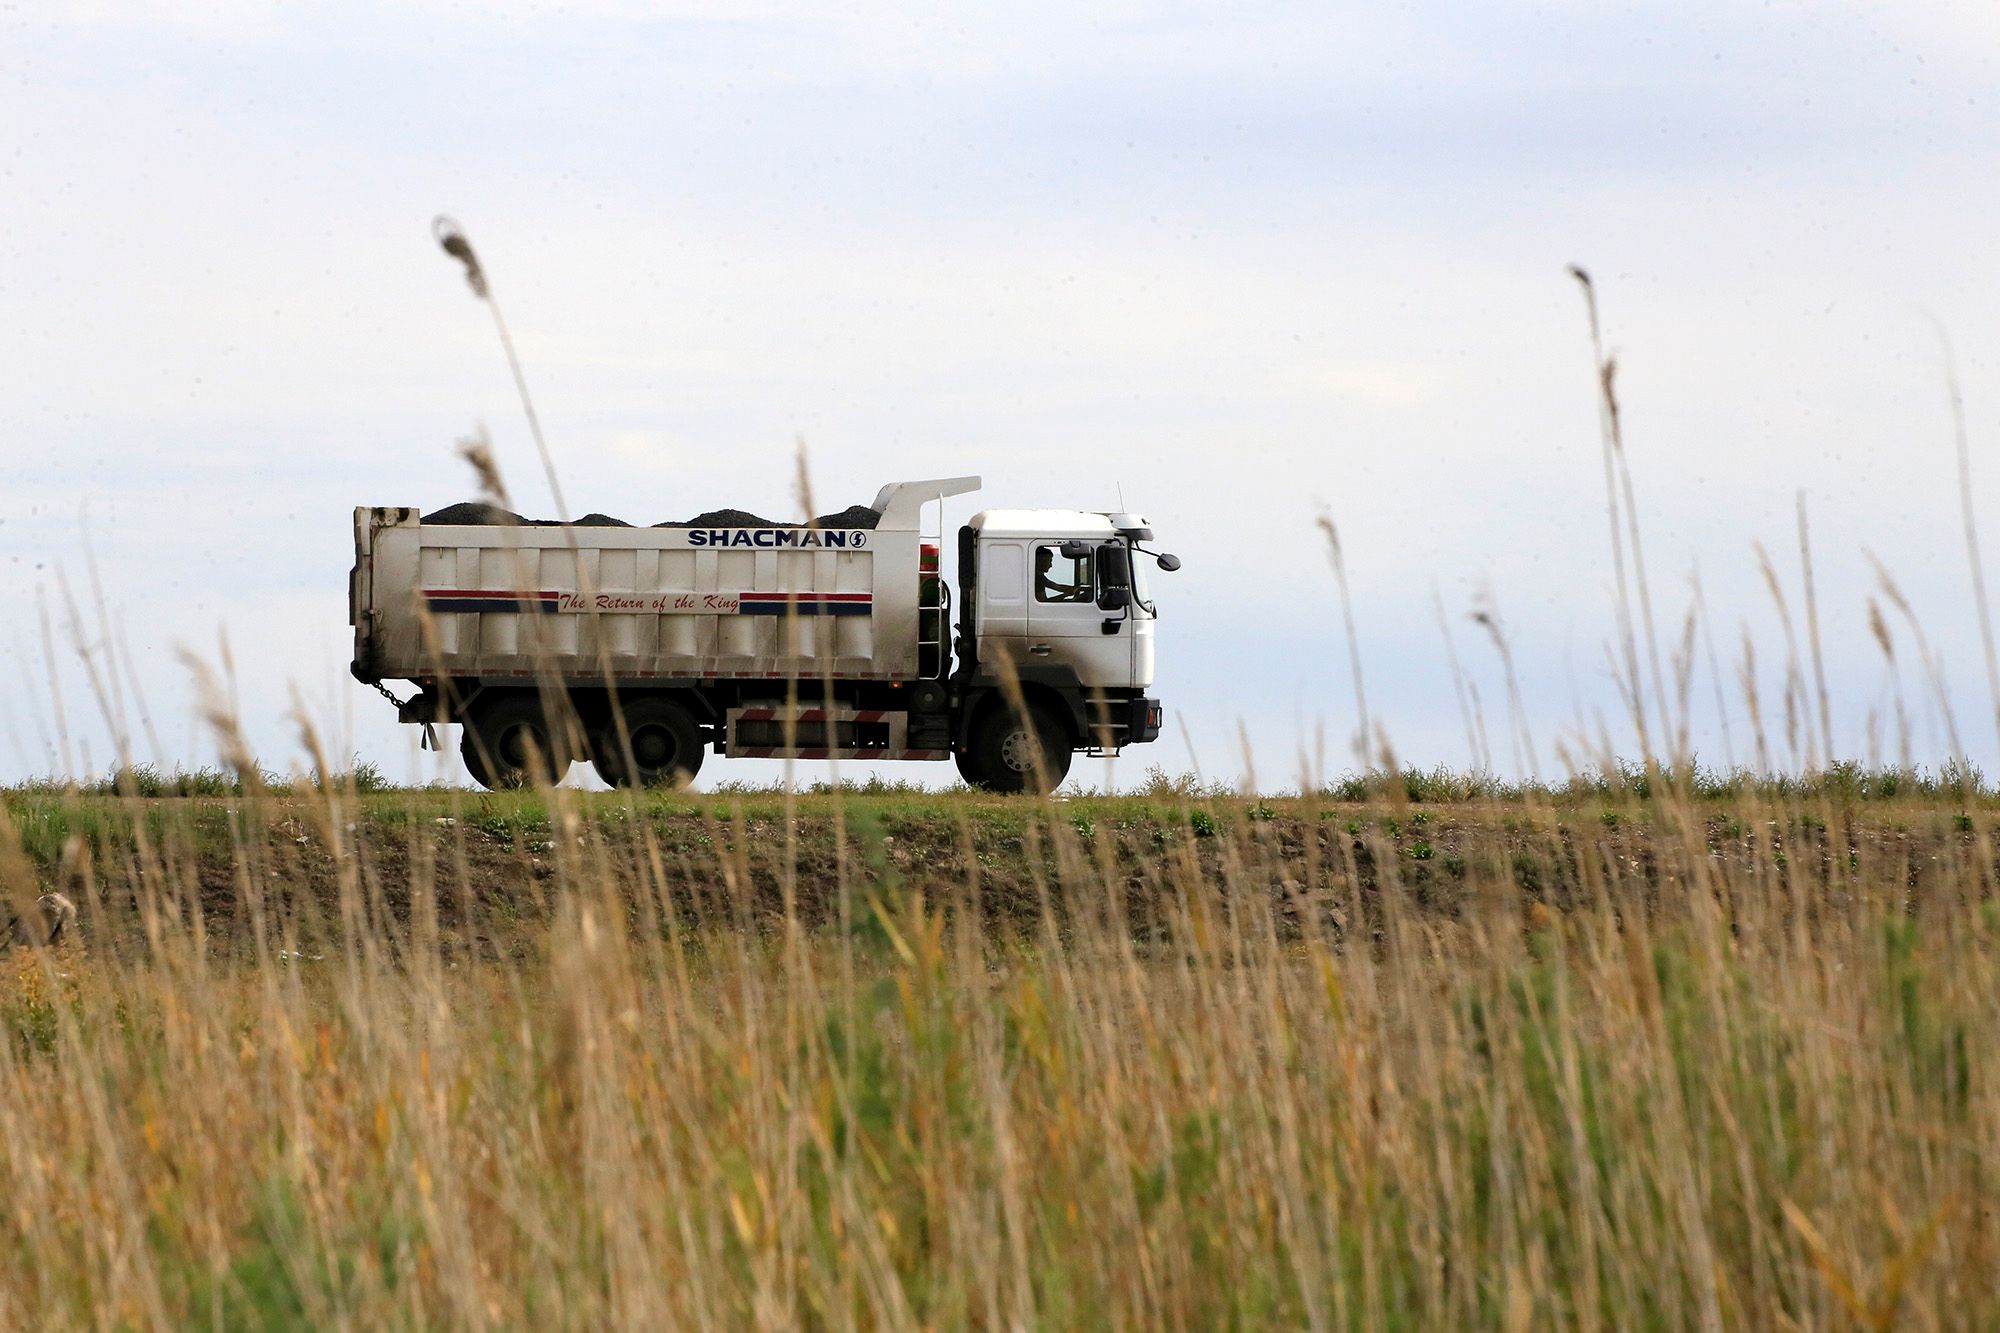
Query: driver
[1048,588]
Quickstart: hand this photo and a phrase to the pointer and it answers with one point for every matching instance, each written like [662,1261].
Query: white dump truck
[640,649]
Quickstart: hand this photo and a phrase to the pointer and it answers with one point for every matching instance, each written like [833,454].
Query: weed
[1158,785]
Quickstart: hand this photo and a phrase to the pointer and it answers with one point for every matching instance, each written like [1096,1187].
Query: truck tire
[968,767]
[508,744]
[666,745]
[1004,747]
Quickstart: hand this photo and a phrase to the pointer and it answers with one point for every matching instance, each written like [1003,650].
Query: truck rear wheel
[508,744]
[1006,745]
[665,741]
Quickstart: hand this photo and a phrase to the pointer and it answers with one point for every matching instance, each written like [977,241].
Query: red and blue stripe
[440,600]
[807,603]
[443,600]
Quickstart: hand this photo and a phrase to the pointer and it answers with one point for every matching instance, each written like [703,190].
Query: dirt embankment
[490,864]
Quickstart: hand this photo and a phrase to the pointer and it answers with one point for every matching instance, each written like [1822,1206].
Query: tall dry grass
[1282,1085]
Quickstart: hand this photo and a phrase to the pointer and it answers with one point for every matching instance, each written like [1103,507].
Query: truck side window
[1061,578]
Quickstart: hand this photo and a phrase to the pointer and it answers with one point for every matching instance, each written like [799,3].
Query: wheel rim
[512,746]
[1018,750]
[654,747]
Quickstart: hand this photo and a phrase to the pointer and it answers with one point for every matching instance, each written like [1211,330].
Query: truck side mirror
[1170,563]
[1114,576]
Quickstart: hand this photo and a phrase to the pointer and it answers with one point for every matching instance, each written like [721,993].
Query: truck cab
[1058,599]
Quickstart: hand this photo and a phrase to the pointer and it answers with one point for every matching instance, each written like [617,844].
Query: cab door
[1065,624]
[1002,592]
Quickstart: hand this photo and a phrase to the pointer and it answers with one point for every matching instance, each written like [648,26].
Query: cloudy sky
[1249,263]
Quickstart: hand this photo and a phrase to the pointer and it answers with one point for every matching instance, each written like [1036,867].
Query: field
[1628,1054]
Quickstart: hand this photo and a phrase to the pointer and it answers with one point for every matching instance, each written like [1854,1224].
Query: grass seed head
[452,237]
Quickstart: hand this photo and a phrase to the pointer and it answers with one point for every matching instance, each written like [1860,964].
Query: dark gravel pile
[854,516]
[474,514]
[477,514]
[722,518]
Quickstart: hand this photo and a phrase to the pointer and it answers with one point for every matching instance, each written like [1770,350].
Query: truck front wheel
[507,744]
[666,746]
[968,766]
[1006,745]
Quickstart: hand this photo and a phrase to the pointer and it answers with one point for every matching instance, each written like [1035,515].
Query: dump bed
[502,603]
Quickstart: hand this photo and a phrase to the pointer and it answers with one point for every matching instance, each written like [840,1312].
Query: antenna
[1121,496]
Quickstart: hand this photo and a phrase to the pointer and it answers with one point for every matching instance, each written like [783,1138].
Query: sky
[1243,265]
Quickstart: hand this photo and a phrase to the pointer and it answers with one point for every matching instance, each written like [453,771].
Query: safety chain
[430,731]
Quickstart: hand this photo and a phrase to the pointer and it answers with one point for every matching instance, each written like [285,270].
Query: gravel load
[474,514]
[722,518]
[854,516]
[478,514]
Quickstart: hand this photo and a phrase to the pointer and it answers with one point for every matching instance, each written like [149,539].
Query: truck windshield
[1142,592]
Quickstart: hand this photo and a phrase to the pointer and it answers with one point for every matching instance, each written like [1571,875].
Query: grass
[1845,782]
[916,1059]
[145,780]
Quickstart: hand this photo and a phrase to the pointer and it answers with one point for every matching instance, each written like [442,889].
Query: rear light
[927,558]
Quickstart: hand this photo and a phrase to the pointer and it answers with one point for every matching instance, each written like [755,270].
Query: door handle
[1040,649]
